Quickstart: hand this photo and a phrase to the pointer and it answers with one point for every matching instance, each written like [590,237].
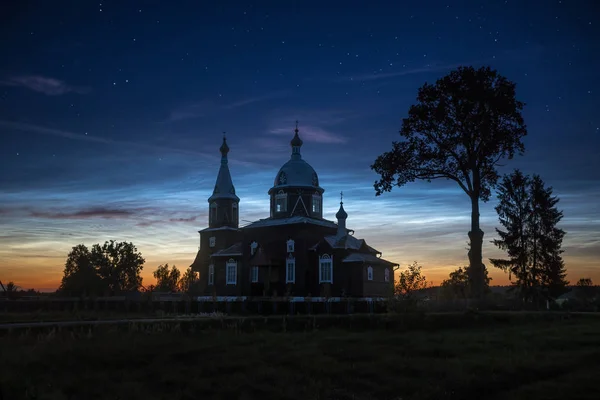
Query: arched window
[290,246]
[234,213]
[325,269]
[316,203]
[386,275]
[231,272]
[213,213]
[211,274]
[281,201]
[290,270]
[369,273]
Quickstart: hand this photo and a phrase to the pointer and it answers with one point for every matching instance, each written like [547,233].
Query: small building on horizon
[293,252]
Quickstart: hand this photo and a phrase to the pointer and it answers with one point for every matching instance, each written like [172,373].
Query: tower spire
[296,144]
[341,216]
[224,150]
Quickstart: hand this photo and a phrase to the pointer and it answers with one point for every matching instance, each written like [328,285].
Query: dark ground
[554,359]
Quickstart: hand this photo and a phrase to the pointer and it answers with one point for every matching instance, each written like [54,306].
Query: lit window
[212,241]
[254,274]
[253,247]
[281,202]
[290,246]
[325,269]
[290,270]
[386,275]
[231,272]
[211,274]
[316,203]
[369,273]
[213,213]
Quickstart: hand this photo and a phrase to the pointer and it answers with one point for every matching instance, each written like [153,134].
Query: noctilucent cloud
[112,113]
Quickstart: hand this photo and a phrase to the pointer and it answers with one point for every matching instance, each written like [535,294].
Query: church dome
[296,172]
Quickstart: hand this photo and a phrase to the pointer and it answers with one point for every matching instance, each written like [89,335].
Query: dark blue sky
[111,116]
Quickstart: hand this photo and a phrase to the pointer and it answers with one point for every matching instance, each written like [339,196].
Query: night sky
[112,113]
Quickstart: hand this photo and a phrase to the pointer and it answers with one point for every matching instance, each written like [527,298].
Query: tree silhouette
[112,267]
[460,129]
[80,275]
[119,264]
[410,280]
[167,279]
[527,211]
[188,280]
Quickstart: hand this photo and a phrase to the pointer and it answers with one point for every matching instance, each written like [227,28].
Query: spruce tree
[547,238]
[527,210]
[514,211]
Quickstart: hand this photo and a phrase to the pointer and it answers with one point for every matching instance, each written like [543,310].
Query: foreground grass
[541,360]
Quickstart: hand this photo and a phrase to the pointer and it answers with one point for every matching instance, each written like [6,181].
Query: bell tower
[224,203]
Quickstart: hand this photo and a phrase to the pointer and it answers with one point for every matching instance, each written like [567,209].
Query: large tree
[119,264]
[112,267]
[460,129]
[531,238]
[167,279]
[80,275]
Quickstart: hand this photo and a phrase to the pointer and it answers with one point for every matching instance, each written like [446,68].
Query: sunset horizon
[112,117]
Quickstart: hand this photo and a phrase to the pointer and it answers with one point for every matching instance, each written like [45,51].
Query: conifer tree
[527,211]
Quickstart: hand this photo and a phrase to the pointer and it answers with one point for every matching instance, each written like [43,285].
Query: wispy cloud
[251,100]
[316,126]
[404,72]
[313,134]
[105,213]
[20,126]
[208,107]
[42,84]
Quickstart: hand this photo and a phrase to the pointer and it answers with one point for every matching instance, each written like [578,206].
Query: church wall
[223,239]
[378,287]
[274,241]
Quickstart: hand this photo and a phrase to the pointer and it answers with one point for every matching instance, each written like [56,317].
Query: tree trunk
[476,267]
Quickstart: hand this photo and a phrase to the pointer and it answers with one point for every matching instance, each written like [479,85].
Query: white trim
[231,272]
[211,274]
[290,245]
[254,274]
[325,261]
[369,273]
[290,270]
[253,247]
[212,241]
[303,205]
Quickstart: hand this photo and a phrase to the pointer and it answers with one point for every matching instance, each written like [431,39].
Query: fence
[174,305]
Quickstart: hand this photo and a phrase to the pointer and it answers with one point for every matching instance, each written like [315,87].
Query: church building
[293,252]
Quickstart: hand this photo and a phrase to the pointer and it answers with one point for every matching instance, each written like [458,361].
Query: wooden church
[294,252]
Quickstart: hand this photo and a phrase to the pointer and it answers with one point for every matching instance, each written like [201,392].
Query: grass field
[553,359]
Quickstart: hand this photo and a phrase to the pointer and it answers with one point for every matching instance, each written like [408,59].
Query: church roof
[235,250]
[224,188]
[367,258]
[219,228]
[196,264]
[289,221]
[344,242]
